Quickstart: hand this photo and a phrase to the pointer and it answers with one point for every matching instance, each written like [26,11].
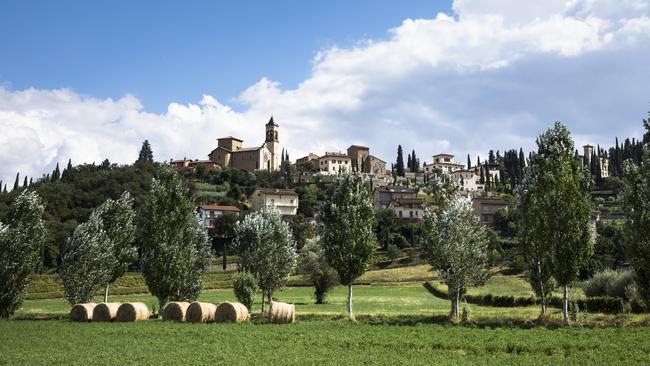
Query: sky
[92,80]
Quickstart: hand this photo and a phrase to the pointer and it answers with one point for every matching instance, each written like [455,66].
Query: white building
[467,180]
[333,163]
[209,213]
[444,163]
[284,200]
[408,210]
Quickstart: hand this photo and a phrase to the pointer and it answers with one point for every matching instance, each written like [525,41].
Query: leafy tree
[146,154]
[245,287]
[441,189]
[56,174]
[266,249]
[313,265]
[347,216]
[21,240]
[86,261]
[175,250]
[399,165]
[456,245]
[117,219]
[386,222]
[302,230]
[560,194]
[636,203]
[224,228]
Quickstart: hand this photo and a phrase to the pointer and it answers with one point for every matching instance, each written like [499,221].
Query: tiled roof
[230,137]
[220,208]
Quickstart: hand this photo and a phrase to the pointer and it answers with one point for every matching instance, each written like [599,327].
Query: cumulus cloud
[489,76]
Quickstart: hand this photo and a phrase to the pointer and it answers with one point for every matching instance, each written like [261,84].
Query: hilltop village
[402,192]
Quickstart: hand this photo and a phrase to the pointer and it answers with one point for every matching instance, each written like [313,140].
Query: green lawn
[313,342]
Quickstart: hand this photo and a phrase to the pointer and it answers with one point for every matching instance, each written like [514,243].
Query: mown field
[313,343]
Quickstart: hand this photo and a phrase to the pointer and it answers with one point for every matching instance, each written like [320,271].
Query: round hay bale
[282,313]
[231,312]
[105,312]
[82,312]
[132,311]
[200,312]
[175,311]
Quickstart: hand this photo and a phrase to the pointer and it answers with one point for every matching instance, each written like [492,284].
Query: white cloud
[490,76]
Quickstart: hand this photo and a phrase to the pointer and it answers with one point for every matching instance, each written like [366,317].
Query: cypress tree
[415,162]
[409,163]
[16,182]
[469,163]
[399,165]
[146,154]
[25,182]
[56,174]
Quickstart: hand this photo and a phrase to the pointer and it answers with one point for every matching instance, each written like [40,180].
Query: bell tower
[273,143]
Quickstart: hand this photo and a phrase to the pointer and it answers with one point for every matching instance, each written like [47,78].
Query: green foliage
[175,250]
[385,225]
[636,204]
[466,316]
[554,210]
[265,248]
[87,261]
[393,252]
[245,287]
[611,283]
[313,265]
[456,245]
[21,242]
[302,230]
[441,189]
[146,154]
[399,165]
[348,219]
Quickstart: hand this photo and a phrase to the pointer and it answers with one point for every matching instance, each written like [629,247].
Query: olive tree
[21,240]
[347,230]
[636,203]
[456,245]
[266,249]
[314,267]
[175,251]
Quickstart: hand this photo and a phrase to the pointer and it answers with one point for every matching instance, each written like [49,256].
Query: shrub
[245,288]
[392,252]
[602,304]
[612,284]
[466,315]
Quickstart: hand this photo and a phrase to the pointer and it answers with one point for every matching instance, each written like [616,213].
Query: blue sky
[91,80]
[164,51]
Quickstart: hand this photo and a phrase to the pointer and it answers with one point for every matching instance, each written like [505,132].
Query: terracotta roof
[281,191]
[443,154]
[220,208]
[335,155]
[359,147]
[375,158]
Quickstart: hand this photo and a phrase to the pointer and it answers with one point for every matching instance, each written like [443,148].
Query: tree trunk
[161,305]
[542,297]
[565,304]
[350,314]
[106,293]
[225,264]
[455,304]
[263,302]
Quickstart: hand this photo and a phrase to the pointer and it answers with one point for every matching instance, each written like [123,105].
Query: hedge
[603,304]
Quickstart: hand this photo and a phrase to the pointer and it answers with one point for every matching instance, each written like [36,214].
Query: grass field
[313,342]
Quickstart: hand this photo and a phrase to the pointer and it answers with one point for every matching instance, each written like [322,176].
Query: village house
[486,207]
[308,163]
[230,152]
[284,200]
[209,213]
[408,210]
[588,152]
[467,180]
[193,164]
[333,163]
[444,163]
[383,196]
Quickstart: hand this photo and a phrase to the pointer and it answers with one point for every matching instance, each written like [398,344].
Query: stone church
[231,153]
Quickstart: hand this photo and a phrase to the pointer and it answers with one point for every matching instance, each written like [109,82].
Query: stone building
[363,162]
[408,210]
[231,153]
[308,163]
[486,207]
[383,196]
[443,162]
[467,180]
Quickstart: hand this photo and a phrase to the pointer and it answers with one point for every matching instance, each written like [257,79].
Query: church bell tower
[273,143]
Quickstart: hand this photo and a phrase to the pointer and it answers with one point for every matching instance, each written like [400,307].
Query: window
[339,161]
[400,213]
[333,161]
[411,213]
[417,213]
[291,202]
[272,202]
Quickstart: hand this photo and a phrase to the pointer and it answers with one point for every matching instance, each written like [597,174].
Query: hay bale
[282,313]
[105,312]
[200,312]
[231,312]
[82,312]
[132,311]
[175,311]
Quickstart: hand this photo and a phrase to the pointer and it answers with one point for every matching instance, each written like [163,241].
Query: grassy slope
[312,342]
